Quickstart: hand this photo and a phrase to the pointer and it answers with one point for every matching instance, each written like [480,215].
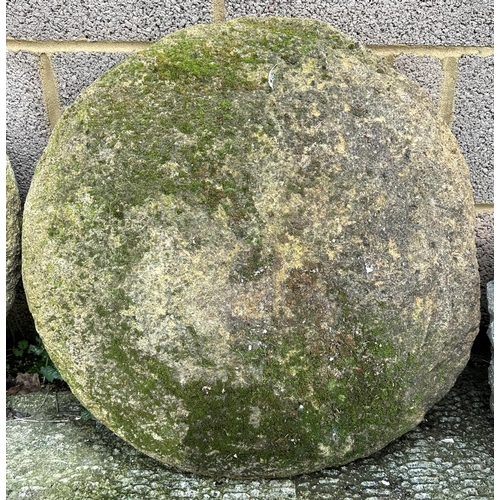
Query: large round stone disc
[249,250]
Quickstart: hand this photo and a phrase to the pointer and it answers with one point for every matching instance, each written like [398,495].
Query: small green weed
[32,358]
[86,415]
[21,347]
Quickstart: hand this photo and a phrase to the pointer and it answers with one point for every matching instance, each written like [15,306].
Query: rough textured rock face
[12,235]
[249,250]
[490,288]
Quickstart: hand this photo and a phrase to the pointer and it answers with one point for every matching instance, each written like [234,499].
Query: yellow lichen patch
[340,145]
[292,253]
[309,66]
[423,312]
[423,307]
[314,110]
[331,253]
[419,302]
[347,63]
[263,138]
[393,249]
[380,202]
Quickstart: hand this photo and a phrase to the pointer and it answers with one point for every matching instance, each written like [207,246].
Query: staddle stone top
[249,250]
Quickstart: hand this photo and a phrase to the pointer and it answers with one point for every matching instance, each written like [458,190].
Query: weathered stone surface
[491,334]
[249,250]
[12,235]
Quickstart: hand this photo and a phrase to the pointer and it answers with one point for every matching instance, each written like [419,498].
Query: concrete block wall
[55,49]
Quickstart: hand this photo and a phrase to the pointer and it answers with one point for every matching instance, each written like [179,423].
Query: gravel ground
[55,454]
